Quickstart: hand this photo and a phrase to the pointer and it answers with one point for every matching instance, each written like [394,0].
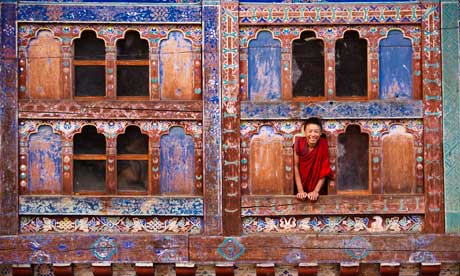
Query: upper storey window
[308,66]
[89,65]
[132,66]
[351,66]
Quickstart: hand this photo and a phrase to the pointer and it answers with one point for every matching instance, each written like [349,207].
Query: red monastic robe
[313,165]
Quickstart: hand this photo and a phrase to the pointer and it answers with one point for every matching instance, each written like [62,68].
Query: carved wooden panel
[398,161]
[264,68]
[44,61]
[267,164]
[395,54]
[45,162]
[176,68]
[177,163]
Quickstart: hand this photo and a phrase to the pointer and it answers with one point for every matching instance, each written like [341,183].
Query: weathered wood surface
[44,61]
[117,248]
[8,120]
[48,109]
[295,248]
[343,204]
[111,206]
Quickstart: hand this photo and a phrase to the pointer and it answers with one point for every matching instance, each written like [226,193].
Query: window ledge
[391,204]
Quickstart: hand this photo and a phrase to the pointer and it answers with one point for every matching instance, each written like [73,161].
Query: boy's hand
[313,195]
[302,195]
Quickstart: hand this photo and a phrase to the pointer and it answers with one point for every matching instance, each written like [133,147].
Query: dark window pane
[88,46]
[132,142]
[89,142]
[89,81]
[132,47]
[308,66]
[351,65]
[132,175]
[353,160]
[132,80]
[89,175]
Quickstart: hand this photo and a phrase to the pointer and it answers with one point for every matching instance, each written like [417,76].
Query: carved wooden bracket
[430,269]
[225,270]
[265,270]
[102,269]
[185,269]
[349,269]
[389,269]
[145,269]
[63,269]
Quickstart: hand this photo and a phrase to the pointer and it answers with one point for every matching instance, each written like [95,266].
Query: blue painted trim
[109,13]
[116,206]
[407,109]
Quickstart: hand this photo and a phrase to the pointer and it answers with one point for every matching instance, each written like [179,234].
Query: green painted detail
[197,91]
[154,80]
[419,159]
[66,63]
[244,161]
[23,175]
[375,160]
[110,71]
[22,88]
[330,91]
[417,73]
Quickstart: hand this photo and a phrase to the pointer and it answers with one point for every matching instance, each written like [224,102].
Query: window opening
[132,160]
[89,65]
[308,66]
[351,66]
[89,160]
[132,66]
[353,160]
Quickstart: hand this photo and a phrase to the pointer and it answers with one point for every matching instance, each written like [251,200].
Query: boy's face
[312,133]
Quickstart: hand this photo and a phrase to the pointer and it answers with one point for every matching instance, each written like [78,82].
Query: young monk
[311,160]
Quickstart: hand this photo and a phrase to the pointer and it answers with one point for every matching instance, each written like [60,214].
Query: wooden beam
[102,269]
[185,269]
[307,269]
[349,269]
[225,269]
[332,204]
[63,269]
[265,269]
[430,269]
[389,269]
[145,269]
[22,270]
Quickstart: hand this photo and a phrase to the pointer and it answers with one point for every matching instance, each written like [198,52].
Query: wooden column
[225,270]
[265,270]
[231,182]
[430,269]
[389,269]
[212,119]
[64,269]
[145,269]
[8,121]
[308,269]
[349,269]
[22,270]
[102,269]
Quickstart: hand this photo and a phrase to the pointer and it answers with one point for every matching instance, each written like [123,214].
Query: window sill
[391,204]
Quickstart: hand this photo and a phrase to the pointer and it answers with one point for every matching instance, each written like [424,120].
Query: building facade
[157,136]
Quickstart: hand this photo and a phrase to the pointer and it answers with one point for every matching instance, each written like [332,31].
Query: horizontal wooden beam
[333,205]
[332,110]
[67,109]
[298,248]
[111,206]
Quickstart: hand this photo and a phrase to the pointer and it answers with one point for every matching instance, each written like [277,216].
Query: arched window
[132,66]
[89,65]
[89,165]
[353,160]
[351,66]
[132,160]
[307,66]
